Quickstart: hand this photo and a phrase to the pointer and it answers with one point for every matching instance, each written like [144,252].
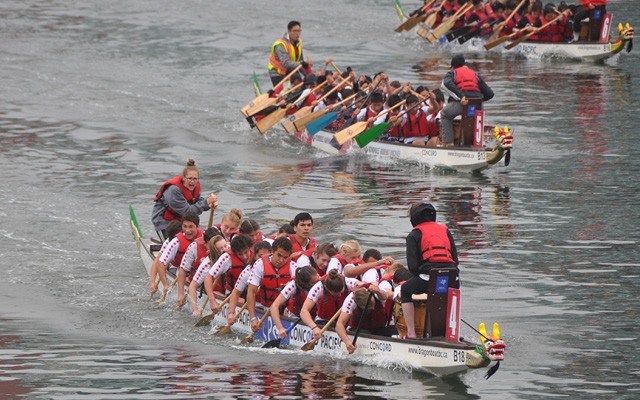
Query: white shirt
[349,305]
[289,290]
[258,271]
[170,251]
[243,279]
[221,266]
[303,261]
[203,268]
[317,291]
[189,256]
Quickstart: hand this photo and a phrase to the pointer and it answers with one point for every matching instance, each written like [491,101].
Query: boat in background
[438,356]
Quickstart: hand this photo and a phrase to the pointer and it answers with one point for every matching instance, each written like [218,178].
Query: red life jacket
[483,18]
[272,281]
[551,33]
[201,253]
[432,126]
[435,245]
[375,319]
[466,79]
[370,114]
[296,246]
[296,301]
[416,125]
[329,304]
[190,197]
[231,276]
[182,248]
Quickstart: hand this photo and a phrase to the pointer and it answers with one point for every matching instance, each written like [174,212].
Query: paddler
[178,196]
[268,277]
[429,245]
[286,54]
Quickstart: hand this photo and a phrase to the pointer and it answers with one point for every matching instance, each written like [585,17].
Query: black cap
[457,61]
[422,212]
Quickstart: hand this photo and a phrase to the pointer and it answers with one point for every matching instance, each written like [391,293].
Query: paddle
[249,337]
[445,26]
[287,124]
[213,206]
[276,342]
[528,35]
[414,19]
[164,292]
[301,123]
[272,102]
[362,316]
[500,40]
[312,344]
[501,25]
[206,320]
[354,130]
[227,328]
[431,19]
[255,104]
[324,117]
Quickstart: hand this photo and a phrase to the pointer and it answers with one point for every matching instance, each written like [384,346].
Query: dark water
[101,101]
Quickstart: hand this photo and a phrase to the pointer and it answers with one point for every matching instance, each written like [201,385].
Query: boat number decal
[380,346]
[453,315]
[442,284]
[458,356]
[471,110]
[606,28]
[482,156]
[479,129]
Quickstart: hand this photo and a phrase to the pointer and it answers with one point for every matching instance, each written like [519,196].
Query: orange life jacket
[182,248]
[466,79]
[189,196]
[435,244]
[272,281]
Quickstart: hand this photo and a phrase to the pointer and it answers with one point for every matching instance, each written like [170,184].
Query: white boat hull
[464,159]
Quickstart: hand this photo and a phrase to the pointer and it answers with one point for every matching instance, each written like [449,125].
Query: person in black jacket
[429,245]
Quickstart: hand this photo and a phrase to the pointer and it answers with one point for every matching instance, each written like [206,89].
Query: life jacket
[551,33]
[435,245]
[296,301]
[182,248]
[190,197]
[416,125]
[201,253]
[432,125]
[370,114]
[315,266]
[466,79]
[344,262]
[294,51]
[233,273]
[483,18]
[375,319]
[272,281]
[329,304]
[296,246]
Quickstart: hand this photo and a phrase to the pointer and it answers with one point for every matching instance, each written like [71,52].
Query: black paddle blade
[507,158]
[629,46]
[272,343]
[492,370]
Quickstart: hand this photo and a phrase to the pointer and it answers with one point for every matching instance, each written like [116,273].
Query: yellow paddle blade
[287,123]
[302,122]
[270,120]
[350,132]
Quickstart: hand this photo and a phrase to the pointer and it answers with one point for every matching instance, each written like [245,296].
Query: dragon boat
[594,42]
[438,355]
[495,145]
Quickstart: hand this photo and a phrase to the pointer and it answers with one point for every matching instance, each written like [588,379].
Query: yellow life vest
[295,53]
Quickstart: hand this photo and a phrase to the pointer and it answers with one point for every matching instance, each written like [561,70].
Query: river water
[102,101]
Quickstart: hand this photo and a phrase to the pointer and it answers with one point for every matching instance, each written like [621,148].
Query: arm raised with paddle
[498,28]
[256,104]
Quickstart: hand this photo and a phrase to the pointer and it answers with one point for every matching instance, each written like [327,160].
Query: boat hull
[577,51]
[437,356]
[464,159]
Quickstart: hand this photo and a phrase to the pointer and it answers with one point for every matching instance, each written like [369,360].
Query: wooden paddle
[501,25]
[354,130]
[255,103]
[302,123]
[249,337]
[528,35]
[213,206]
[335,67]
[206,320]
[362,317]
[413,20]
[431,19]
[323,121]
[445,26]
[276,342]
[273,101]
[312,344]
[227,328]
[164,292]
[287,124]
